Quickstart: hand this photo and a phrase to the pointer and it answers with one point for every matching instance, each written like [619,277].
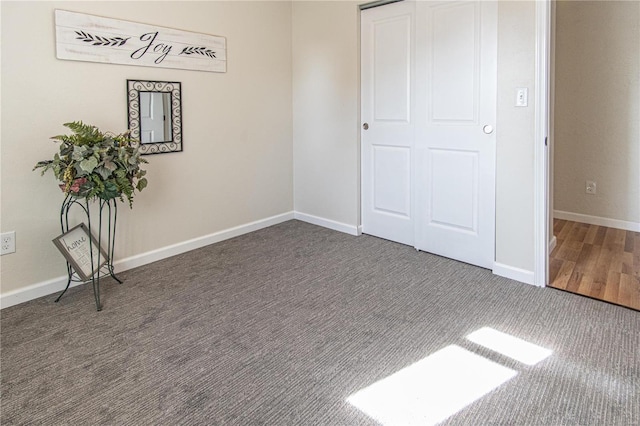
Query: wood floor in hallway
[596,261]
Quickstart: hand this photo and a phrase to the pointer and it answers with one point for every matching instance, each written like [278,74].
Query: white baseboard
[34,291]
[55,285]
[328,223]
[597,220]
[513,273]
[552,244]
[196,243]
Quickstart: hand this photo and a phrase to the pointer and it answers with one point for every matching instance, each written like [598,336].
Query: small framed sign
[75,247]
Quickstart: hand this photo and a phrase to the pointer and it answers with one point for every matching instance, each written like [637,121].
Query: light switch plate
[522,97]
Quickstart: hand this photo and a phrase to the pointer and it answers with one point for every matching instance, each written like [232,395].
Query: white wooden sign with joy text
[81,37]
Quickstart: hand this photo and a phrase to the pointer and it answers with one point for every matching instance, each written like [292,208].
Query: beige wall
[326,110]
[237,161]
[597,108]
[515,134]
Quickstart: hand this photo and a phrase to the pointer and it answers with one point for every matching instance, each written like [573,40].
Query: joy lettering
[161,48]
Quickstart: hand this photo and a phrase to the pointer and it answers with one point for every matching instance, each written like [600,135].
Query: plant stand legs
[96,292]
[65,289]
[111,209]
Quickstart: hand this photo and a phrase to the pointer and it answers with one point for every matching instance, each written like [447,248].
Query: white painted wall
[237,128]
[515,133]
[326,107]
[597,108]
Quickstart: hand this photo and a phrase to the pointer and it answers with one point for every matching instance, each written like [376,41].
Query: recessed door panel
[391,68]
[453,200]
[454,56]
[392,180]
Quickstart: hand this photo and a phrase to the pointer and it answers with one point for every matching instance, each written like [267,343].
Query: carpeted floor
[281,326]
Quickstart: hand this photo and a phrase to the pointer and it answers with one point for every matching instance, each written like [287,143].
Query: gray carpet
[280,326]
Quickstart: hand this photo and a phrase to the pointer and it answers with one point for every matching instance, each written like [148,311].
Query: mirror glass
[155,115]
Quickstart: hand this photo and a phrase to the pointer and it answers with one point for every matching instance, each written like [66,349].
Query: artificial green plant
[92,164]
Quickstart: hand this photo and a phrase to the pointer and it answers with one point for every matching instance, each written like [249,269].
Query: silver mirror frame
[134,87]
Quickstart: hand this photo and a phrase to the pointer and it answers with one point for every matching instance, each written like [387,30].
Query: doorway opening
[596,151]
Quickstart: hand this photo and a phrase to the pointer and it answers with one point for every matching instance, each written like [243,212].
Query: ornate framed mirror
[155,115]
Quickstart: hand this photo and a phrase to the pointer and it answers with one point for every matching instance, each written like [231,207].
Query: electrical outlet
[8,240]
[591,187]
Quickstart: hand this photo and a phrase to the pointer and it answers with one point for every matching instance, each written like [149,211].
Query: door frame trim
[541,146]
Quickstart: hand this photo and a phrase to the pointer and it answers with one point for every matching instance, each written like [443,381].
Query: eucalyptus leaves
[92,164]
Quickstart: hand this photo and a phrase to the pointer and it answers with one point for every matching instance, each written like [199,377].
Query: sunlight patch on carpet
[432,389]
[513,347]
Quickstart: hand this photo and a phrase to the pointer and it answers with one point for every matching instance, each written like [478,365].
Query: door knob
[488,129]
[365,126]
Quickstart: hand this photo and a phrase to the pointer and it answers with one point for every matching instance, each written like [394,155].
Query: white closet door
[387,60]
[429,72]
[455,141]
